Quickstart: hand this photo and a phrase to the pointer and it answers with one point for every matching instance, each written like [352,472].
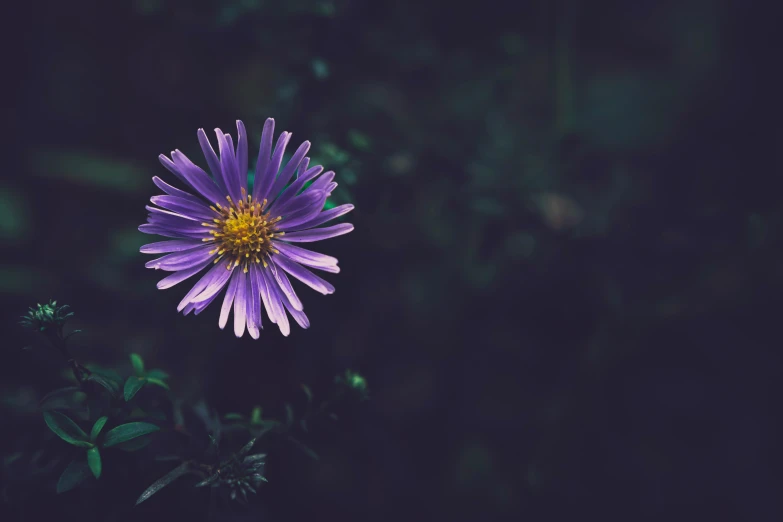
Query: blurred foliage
[564,279]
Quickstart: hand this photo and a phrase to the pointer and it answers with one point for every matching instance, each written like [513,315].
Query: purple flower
[244,237]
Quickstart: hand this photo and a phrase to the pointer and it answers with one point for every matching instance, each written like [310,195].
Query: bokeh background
[564,286]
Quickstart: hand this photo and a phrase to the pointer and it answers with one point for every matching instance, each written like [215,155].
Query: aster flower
[244,235]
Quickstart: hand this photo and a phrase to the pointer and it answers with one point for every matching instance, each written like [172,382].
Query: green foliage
[132,387]
[105,382]
[97,427]
[66,429]
[138,364]
[165,480]
[135,383]
[94,461]
[46,317]
[128,432]
[76,473]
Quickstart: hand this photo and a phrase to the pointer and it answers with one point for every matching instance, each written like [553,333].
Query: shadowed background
[564,281]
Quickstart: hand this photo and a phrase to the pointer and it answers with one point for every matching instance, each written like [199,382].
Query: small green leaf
[157,382]
[97,427]
[157,374]
[255,415]
[76,472]
[165,480]
[66,429]
[234,417]
[138,364]
[132,387]
[68,391]
[126,432]
[94,461]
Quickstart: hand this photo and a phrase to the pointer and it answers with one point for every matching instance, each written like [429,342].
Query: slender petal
[275,301]
[271,311]
[178,277]
[304,275]
[178,245]
[306,257]
[197,178]
[285,286]
[317,234]
[177,233]
[229,299]
[229,166]
[199,287]
[165,214]
[298,315]
[213,288]
[265,190]
[184,207]
[182,260]
[320,219]
[212,160]
[288,171]
[240,304]
[308,211]
[294,188]
[304,200]
[173,191]
[253,307]
[322,182]
[264,153]
[241,155]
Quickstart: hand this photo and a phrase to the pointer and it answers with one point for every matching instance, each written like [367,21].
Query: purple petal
[294,188]
[288,171]
[274,166]
[264,152]
[304,200]
[322,182]
[307,257]
[202,305]
[197,178]
[298,315]
[176,232]
[184,207]
[320,219]
[253,306]
[285,287]
[317,234]
[304,275]
[173,191]
[240,304]
[178,277]
[265,297]
[274,306]
[241,155]
[162,247]
[228,300]
[182,260]
[165,214]
[212,274]
[212,160]
[307,211]
[229,166]
[213,288]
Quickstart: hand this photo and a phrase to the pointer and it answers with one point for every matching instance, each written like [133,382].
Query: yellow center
[243,233]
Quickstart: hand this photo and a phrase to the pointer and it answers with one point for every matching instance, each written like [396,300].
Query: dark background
[564,284]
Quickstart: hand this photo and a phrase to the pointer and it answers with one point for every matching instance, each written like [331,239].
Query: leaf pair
[135,383]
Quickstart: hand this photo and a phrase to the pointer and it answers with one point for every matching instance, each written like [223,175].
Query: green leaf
[97,427]
[76,472]
[126,432]
[255,415]
[234,417]
[68,391]
[157,374]
[134,444]
[157,382]
[66,429]
[165,480]
[109,384]
[138,364]
[94,461]
[132,387]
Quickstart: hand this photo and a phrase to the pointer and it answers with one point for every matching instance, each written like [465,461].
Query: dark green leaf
[132,387]
[165,480]
[255,415]
[68,391]
[72,333]
[76,472]
[289,414]
[157,374]
[97,427]
[106,382]
[157,382]
[126,432]
[66,429]
[94,461]
[134,444]
[138,364]
[247,447]
[234,416]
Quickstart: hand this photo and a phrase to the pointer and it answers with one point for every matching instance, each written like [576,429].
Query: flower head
[47,316]
[244,234]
